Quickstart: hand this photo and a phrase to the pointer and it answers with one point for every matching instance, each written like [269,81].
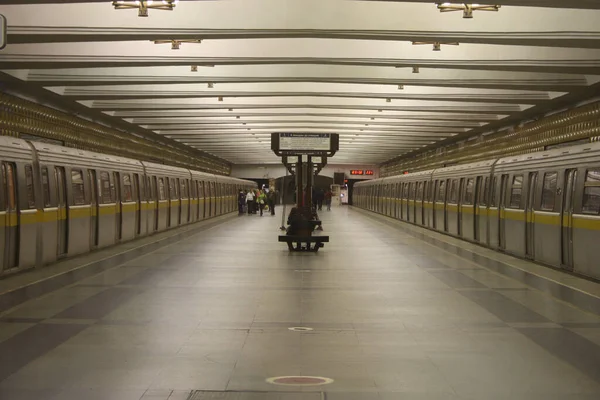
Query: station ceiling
[246,68]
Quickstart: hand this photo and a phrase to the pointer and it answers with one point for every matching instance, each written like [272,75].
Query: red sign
[357,172]
[368,172]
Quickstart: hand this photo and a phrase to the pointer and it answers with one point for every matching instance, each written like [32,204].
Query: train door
[63,216]
[95,211]
[199,206]
[11,216]
[567,219]
[202,195]
[179,199]
[169,187]
[476,208]
[467,209]
[530,215]
[212,198]
[501,212]
[430,186]
[459,201]
[119,206]
[434,203]
[185,195]
[394,200]
[208,187]
[154,195]
[481,211]
[136,197]
[419,203]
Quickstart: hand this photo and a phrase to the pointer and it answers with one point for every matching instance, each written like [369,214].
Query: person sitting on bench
[298,224]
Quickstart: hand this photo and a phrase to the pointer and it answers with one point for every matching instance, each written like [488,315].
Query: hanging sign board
[315,144]
[305,141]
[2,32]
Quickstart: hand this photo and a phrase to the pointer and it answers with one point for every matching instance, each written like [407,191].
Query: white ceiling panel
[334,66]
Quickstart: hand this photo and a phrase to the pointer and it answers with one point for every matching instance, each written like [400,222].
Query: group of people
[256,200]
[319,196]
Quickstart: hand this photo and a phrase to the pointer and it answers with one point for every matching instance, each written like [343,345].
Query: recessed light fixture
[400,87]
[231,109]
[372,118]
[176,44]
[238,117]
[211,85]
[388,100]
[416,70]
[220,99]
[437,46]
[144,5]
[194,68]
[467,9]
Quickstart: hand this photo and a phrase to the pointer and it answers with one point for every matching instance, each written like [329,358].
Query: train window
[30,191]
[494,193]
[46,187]
[453,192]
[8,174]
[469,192]
[161,189]
[483,196]
[172,189]
[431,191]
[105,193]
[549,191]
[127,191]
[420,191]
[516,192]
[413,190]
[184,191]
[78,188]
[405,191]
[442,192]
[591,192]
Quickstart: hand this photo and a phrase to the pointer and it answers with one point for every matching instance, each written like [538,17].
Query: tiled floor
[394,317]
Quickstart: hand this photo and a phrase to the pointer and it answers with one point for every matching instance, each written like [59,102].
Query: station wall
[273,171]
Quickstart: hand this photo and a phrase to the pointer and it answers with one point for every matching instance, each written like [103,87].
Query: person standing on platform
[250,202]
[256,206]
[320,198]
[262,200]
[241,202]
[328,197]
[271,200]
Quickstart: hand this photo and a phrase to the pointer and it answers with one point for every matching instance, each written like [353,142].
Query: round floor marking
[299,380]
[300,329]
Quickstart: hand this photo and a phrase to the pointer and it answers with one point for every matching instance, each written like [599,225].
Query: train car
[88,200]
[200,183]
[169,202]
[460,201]
[550,207]
[57,202]
[543,206]
[19,208]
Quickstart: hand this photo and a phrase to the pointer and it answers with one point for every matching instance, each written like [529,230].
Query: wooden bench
[300,239]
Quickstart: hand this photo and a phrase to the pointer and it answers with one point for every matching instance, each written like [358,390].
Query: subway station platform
[392,311]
